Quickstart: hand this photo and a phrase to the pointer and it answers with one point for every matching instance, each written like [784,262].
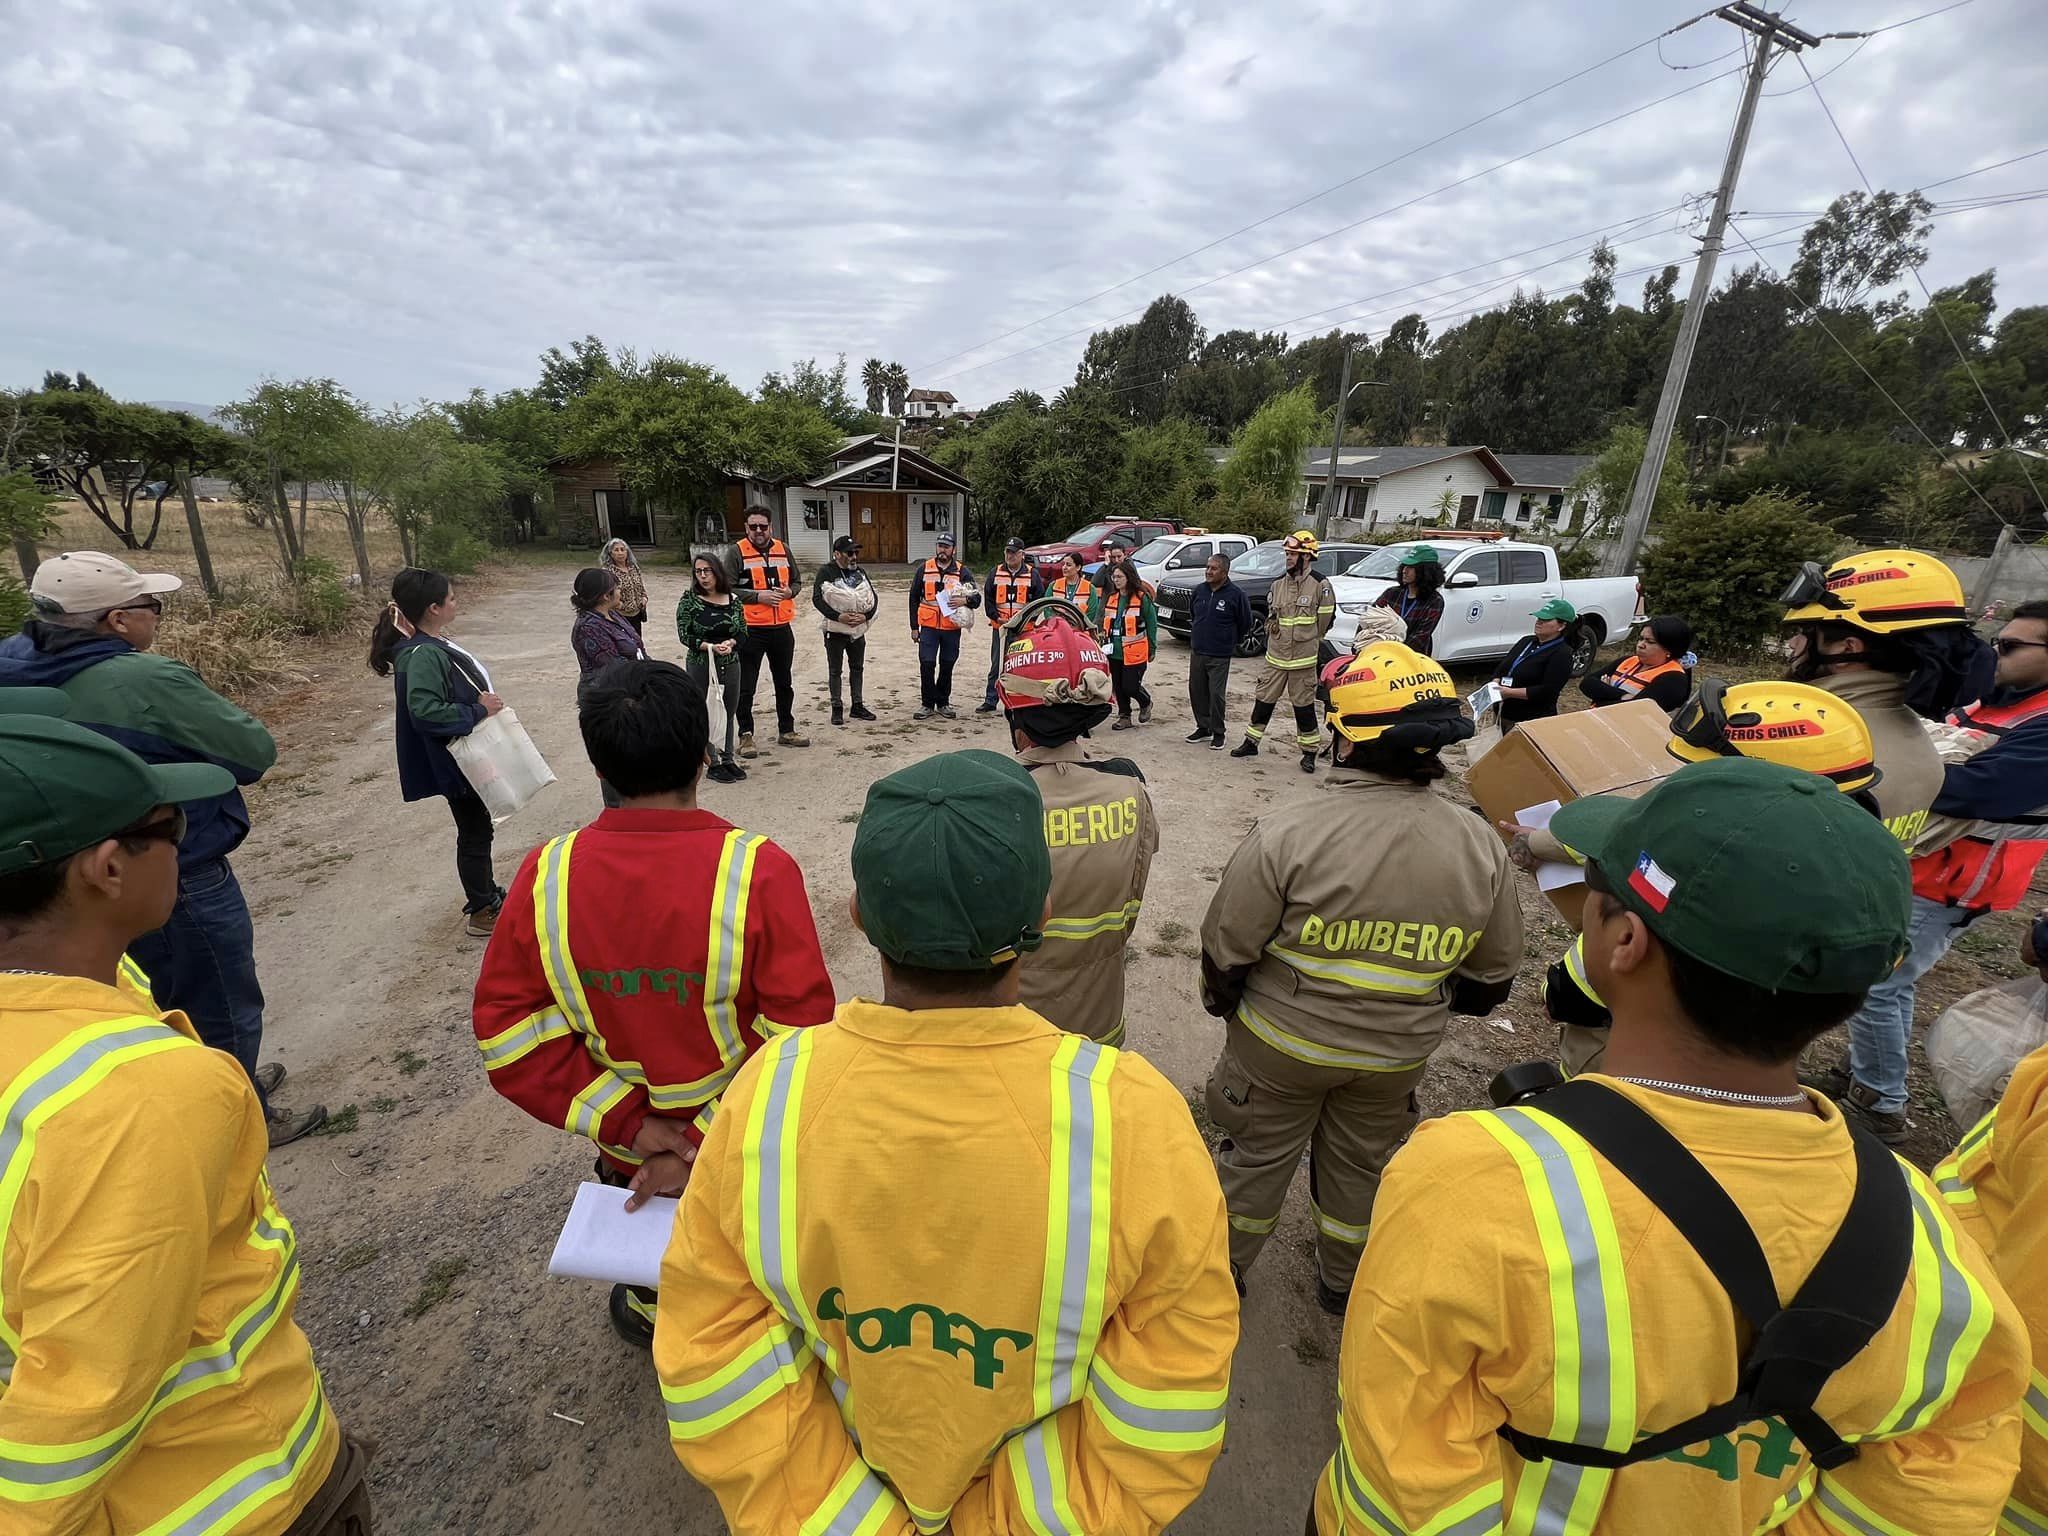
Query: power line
[1406,154]
[1998,165]
[1340,230]
[1894,26]
[1934,308]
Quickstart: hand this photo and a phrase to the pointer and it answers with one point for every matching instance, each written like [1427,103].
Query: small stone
[362,1319]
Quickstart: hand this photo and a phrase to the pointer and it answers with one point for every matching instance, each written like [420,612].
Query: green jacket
[1102,617]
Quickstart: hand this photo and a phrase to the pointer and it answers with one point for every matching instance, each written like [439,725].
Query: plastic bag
[502,764]
[1485,735]
[1975,1044]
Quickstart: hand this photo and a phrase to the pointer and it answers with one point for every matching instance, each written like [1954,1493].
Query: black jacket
[1220,616]
[1543,670]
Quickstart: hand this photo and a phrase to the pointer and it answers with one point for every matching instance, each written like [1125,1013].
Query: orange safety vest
[1076,592]
[935,581]
[760,568]
[1632,682]
[1971,872]
[1012,590]
[1136,649]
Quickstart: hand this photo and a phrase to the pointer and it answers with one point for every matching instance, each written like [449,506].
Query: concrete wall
[2021,576]
[813,546]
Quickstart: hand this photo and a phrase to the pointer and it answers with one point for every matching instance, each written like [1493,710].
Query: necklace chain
[1773,1100]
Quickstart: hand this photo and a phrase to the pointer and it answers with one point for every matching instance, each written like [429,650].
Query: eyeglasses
[2006,647]
[757,527]
[170,830]
[151,604]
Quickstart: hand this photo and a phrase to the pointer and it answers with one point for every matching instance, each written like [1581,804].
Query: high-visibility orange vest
[935,581]
[1631,677]
[1077,591]
[1136,649]
[1012,590]
[1971,872]
[760,569]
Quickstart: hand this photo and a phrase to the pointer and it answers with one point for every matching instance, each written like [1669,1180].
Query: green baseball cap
[1556,608]
[950,866]
[1421,554]
[64,788]
[1755,869]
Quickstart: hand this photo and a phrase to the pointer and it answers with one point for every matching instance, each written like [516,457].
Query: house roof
[1545,470]
[939,396]
[857,455]
[1363,465]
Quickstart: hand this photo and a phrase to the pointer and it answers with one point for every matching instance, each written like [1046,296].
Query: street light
[1345,390]
[1726,433]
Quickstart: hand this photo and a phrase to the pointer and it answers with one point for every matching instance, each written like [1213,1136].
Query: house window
[1556,505]
[938,516]
[817,514]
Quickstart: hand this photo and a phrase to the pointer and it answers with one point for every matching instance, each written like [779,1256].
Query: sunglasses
[757,527]
[150,604]
[2006,647]
[169,830]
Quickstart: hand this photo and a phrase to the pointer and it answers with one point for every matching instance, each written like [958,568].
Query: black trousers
[776,643]
[1208,681]
[853,651]
[937,650]
[1128,684]
[996,636]
[473,834]
[700,665]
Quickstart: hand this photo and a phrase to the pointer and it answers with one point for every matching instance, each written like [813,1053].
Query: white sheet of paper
[1549,876]
[1483,700]
[601,1241]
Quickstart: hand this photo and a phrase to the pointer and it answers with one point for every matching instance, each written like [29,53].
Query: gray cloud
[418,199]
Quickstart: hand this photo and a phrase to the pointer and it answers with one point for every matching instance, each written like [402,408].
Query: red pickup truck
[1091,542]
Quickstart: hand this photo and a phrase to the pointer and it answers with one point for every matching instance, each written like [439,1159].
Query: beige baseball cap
[86,581]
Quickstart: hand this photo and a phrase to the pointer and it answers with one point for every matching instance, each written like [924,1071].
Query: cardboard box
[1614,751]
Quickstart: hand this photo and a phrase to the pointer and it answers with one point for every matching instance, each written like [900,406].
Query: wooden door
[878,526]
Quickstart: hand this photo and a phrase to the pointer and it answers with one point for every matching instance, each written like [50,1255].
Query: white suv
[1186,552]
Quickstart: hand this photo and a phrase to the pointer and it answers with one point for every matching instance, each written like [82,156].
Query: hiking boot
[838,715]
[986,707]
[792,739]
[1144,714]
[270,1077]
[923,712]
[288,1125]
[1123,723]
[860,711]
[1331,1300]
[1195,736]
[478,925]
[747,748]
[1245,748]
[626,1322]
[1308,762]
[948,712]
[1889,1126]
[1833,1081]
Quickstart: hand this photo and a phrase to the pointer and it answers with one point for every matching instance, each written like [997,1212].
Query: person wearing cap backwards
[767,594]
[155,1376]
[1682,1295]
[1996,1186]
[1417,596]
[1976,852]
[1789,723]
[1011,585]
[91,626]
[1099,823]
[941,1267]
[1300,606]
[1343,934]
[639,961]
[1659,669]
[935,592]
[846,604]
[1533,674]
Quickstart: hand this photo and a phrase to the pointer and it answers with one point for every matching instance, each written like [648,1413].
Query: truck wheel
[1254,643]
[1586,647]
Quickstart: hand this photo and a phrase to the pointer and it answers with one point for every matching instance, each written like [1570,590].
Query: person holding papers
[641,960]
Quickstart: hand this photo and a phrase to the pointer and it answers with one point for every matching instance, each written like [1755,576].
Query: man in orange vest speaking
[941,588]
[767,593]
[1011,585]
[1977,854]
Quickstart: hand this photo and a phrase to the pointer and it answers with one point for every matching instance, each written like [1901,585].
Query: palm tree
[874,375]
[898,380]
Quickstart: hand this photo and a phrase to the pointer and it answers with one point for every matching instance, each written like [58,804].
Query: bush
[1257,511]
[240,650]
[1723,568]
[14,609]
[451,548]
[318,602]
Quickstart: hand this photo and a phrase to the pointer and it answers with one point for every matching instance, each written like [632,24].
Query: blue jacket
[437,702]
[156,708]
[2008,780]
[1221,617]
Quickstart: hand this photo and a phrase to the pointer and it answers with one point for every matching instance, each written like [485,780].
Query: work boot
[1308,762]
[288,1125]
[270,1077]
[1123,723]
[860,711]
[1144,714]
[1245,748]
[1330,1299]
[626,1322]
[792,739]
[747,744]
[1889,1126]
[922,712]
[948,712]
[838,715]
[986,707]
[1197,735]
[478,925]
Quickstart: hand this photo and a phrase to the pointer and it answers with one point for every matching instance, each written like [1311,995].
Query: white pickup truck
[1490,591]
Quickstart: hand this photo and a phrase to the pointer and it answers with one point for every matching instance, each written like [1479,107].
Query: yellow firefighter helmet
[1791,724]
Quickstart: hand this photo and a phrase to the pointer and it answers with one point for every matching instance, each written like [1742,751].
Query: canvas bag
[502,764]
[1975,1044]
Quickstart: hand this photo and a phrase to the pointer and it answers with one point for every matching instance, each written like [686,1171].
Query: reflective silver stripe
[1831,1501]
[1949,1323]
[2022,1520]
[215,1516]
[728,936]
[854,1512]
[1355,1491]
[1068,1345]
[1158,1421]
[2036,1399]
[768,1218]
[502,1050]
[1038,1470]
[779,1359]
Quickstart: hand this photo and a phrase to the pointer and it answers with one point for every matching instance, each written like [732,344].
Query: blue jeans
[203,962]
[1879,1030]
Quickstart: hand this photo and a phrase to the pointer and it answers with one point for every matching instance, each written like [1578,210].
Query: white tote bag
[1978,1040]
[502,764]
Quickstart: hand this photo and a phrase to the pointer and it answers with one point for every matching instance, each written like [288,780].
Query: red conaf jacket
[637,964]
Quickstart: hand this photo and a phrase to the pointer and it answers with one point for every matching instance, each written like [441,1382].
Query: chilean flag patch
[1649,881]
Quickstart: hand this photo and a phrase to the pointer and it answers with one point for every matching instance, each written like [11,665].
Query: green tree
[1167,471]
[1233,376]
[524,434]
[874,379]
[1862,243]
[1723,568]
[27,511]
[1261,480]
[299,429]
[896,380]
[566,377]
[824,390]
[1916,514]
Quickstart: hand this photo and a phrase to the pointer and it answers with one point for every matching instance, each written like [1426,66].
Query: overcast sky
[416,199]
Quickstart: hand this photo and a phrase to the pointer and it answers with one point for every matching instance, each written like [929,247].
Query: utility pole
[1771,33]
[1336,442]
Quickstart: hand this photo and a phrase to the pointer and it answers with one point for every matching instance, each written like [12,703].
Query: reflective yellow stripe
[768,1176]
[725,953]
[63,1074]
[1790,1500]
[1291,666]
[1341,1231]
[136,979]
[226,1503]
[1170,1422]
[859,1504]
[522,1039]
[1840,1510]
[1361,1505]
[1076,1268]
[768,1029]
[1365,977]
[1575,967]
[1257,1226]
[769,1365]
[1093,927]
[928,1521]
[604,1093]
[1316,1055]
[1116,1036]
[2022,1519]
[1038,1467]
[1593,1386]
[2034,1406]
[1951,1317]
[1301,618]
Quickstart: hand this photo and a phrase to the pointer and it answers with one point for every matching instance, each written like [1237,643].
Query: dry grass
[241,652]
[240,552]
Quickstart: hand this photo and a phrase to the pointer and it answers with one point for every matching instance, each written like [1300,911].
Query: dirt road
[500,1397]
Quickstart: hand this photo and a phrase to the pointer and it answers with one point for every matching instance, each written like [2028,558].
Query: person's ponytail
[413,592]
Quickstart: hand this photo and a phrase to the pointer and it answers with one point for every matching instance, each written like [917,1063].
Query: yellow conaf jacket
[1996,1186]
[153,1377]
[949,1265]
